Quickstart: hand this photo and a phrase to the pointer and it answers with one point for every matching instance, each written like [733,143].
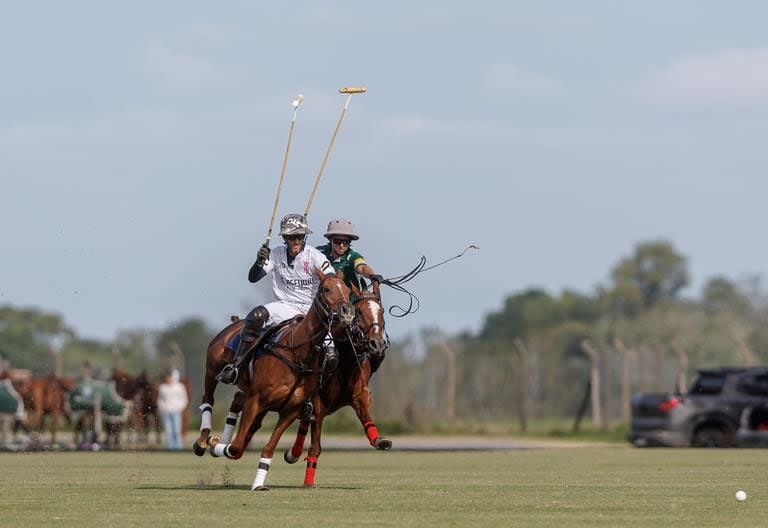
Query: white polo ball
[741,496]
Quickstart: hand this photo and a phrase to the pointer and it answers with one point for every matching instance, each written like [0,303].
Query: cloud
[415,125]
[175,66]
[507,79]
[102,128]
[725,77]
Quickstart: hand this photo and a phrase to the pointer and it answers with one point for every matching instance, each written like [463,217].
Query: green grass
[613,486]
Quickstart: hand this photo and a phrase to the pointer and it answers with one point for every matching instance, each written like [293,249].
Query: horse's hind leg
[234,411]
[259,483]
[206,412]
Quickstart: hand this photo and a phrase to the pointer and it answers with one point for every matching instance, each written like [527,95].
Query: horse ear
[355,289]
[319,274]
[377,289]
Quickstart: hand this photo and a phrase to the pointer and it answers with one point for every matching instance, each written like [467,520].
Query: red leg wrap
[309,476]
[371,431]
[301,435]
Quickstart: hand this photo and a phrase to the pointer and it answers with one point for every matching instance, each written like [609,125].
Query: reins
[396,283]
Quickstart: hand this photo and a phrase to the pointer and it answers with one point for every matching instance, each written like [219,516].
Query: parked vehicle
[725,407]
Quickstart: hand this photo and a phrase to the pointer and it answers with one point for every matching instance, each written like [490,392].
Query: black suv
[725,407]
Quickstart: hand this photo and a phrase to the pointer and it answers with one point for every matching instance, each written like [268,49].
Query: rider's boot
[254,322]
[231,371]
[331,359]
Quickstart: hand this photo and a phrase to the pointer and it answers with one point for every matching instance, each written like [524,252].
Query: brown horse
[361,352]
[287,373]
[46,396]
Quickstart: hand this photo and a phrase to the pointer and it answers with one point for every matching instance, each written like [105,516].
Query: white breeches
[280,311]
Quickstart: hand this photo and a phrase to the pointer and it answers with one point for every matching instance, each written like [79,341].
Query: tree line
[540,355]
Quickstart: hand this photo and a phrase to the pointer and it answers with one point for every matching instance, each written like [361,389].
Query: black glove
[262,256]
[375,277]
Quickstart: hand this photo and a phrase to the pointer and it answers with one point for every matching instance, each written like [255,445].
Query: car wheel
[710,437]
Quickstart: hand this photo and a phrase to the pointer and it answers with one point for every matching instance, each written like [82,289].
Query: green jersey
[346,265]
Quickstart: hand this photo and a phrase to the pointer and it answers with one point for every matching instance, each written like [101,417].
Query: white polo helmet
[294,224]
[341,227]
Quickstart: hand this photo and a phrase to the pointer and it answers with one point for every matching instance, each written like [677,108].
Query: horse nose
[378,344]
[347,314]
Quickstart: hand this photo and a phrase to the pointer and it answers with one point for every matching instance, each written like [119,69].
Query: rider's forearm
[256,273]
[365,270]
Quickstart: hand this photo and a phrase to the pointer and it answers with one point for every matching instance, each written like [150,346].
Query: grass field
[585,486]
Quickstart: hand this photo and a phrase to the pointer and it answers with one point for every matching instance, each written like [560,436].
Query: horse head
[368,326]
[332,300]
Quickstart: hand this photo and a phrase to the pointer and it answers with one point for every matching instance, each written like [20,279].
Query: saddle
[268,336]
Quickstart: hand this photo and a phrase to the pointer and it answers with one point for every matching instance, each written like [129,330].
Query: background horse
[46,396]
[286,373]
[361,352]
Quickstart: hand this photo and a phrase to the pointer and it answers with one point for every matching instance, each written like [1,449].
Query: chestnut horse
[285,374]
[46,396]
[361,351]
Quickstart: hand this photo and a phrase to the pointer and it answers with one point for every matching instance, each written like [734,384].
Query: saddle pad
[10,401]
[83,397]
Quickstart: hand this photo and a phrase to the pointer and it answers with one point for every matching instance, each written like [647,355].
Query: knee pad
[255,320]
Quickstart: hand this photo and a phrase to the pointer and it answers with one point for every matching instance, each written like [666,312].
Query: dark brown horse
[286,374]
[139,391]
[361,352]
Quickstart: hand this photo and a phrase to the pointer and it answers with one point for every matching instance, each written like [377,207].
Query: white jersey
[296,283]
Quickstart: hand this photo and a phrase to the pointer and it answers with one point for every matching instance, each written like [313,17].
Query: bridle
[359,336]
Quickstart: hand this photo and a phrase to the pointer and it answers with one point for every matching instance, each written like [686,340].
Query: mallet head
[353,89]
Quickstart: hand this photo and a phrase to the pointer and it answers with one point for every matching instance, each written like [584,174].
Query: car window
[755,385]
[708,384]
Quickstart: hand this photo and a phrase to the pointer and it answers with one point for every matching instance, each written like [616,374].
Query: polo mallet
[295,104]
[350,91]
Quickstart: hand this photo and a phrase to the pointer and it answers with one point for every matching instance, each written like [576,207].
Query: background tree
[653,273]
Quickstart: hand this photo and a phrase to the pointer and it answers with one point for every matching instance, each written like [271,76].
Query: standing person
[294,285]
[345,260]
[171,402]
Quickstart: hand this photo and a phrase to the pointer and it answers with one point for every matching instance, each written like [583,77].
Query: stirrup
[228,375]
[330,360]
[308,412]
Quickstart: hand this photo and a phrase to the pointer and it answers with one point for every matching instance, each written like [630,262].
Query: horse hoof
[288,457]
[197,449]
[382,444]
[261,488]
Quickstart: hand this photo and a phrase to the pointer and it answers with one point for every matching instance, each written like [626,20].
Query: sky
[141,146]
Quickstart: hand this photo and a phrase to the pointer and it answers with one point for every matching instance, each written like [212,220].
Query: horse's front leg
[234,411]
[54,425]
[259,483]
[315,448]
[250,422]
[361,402]
[293,454]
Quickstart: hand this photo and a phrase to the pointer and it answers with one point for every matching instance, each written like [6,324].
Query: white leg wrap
[261,473]
[229,427]
[220,449]
[205,417]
